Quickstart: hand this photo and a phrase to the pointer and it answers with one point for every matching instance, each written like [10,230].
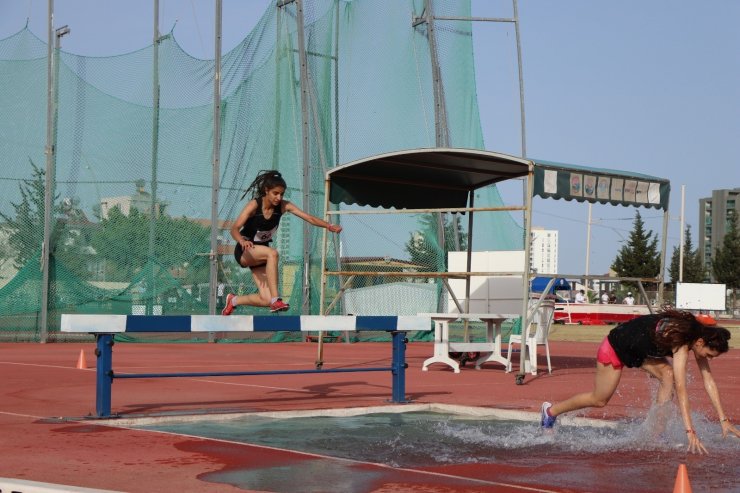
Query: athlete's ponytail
[265,180]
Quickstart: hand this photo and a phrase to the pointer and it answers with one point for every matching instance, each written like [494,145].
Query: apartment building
[715,214]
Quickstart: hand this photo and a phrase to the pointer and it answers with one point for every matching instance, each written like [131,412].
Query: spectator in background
[613,298]
[581,296]
[604,297]
[629,299]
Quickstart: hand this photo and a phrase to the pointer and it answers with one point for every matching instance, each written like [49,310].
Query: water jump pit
[488,448]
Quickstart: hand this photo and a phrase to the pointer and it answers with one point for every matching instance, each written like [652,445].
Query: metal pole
[278,100]
[103,374]
[50,173]
[468,266]
[663,246]
[306,157]
[327,218]
[521,78]
[588,242]
[48,184]
[681,242]
[442,137]
[529,186]
[441,133]
[216,160]
[155,157]
[399,366]
[336,85]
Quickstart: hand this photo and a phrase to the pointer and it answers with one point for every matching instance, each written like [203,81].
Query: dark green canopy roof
[438,178]
[421,178]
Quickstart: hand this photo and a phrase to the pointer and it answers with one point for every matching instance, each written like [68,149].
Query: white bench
[490,349]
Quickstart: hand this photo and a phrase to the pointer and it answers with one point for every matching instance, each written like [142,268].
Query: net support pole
[48,185]
[441,131]
[52,106]
[155,156]
[521,78]
[442,136]
[216,171]
[681,235]
[306,155]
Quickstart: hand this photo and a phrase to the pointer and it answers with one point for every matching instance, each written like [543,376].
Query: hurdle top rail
[105,327]
[112,324]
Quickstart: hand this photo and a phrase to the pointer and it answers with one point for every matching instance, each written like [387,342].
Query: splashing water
[643,452]
[424,438]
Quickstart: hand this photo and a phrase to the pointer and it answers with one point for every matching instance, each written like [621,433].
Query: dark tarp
[539,284]
[433,178]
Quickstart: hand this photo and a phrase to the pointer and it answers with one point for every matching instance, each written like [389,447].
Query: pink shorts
[607,356]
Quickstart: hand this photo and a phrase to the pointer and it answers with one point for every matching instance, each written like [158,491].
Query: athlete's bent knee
[273,255]
[598,402]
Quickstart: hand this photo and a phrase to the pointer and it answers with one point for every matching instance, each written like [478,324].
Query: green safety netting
[132,181]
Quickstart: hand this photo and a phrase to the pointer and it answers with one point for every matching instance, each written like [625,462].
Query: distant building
[715,213]
[543,254]
[141,200]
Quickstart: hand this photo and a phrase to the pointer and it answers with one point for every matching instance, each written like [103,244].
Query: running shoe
[279,306]
[546,421]
[229,305]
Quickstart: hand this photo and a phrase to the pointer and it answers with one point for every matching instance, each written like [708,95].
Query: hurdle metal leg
[104,374]
[399,365]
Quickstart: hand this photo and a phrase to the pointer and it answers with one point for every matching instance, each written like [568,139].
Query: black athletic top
[259,230]
[634,341]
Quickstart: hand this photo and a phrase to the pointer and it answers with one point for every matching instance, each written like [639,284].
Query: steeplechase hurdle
[104,327]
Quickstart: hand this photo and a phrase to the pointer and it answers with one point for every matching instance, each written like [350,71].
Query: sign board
[696,296]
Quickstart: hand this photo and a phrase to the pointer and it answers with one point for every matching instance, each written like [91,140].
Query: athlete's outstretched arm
[293,209]
[680,363]
[710,386]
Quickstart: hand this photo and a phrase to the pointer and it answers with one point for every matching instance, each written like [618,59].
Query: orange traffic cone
[81,363]
[682,480]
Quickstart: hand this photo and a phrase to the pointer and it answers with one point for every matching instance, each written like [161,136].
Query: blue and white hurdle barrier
[104,327]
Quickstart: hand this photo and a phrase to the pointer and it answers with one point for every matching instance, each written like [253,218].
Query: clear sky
[643,86]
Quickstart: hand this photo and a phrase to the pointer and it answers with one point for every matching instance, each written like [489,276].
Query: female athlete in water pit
[253,231]
[645,342]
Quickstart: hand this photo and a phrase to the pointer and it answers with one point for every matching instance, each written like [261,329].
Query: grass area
[596,333]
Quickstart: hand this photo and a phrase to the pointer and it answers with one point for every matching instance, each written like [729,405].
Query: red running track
[45,436]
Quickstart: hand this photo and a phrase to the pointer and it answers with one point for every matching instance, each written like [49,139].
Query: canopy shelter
[421,178]
[586,184]
[444,179]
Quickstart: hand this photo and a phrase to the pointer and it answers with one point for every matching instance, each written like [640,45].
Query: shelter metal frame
[444,180]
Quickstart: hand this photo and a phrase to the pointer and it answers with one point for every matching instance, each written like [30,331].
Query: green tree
[726,259]
[693,265]
[423,245]
[27,227]
[639,257]
[124,242]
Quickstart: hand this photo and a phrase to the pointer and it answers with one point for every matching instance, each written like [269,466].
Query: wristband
[690,431]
